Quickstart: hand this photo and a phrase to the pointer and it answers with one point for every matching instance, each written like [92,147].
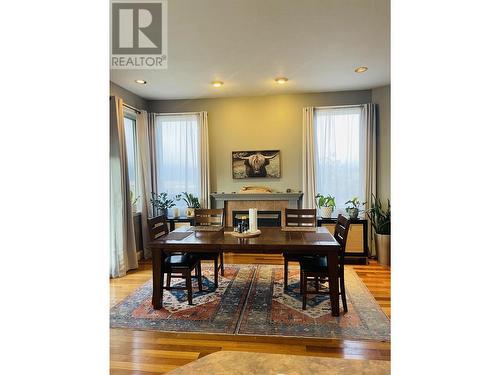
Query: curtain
[152,152]
[144,170]
[340,154]
[123,255]
[204,162]
[177,147]
[308,162]
[368,122]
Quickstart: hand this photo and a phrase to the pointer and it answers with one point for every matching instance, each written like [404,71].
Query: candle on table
[252,212]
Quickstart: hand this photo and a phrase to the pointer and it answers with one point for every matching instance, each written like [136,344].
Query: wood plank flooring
[144,352]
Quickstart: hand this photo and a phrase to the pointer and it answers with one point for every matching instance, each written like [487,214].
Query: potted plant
[133,201]
[326,205]
[162,202]
[191,201]
[381,222]
[353,208]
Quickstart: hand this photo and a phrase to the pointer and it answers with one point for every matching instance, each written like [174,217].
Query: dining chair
[211,217]
[302,218]
[317,267]
[176,265]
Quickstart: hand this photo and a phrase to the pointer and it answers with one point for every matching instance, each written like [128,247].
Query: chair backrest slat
[300,217]
[214,216]
[158,227]
[342,231]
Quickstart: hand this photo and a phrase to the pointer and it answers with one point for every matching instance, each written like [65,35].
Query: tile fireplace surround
[262,202]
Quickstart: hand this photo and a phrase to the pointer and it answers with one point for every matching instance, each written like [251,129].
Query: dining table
[272,240]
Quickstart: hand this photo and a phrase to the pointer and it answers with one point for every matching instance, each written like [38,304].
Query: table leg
[333,281]
[157,279]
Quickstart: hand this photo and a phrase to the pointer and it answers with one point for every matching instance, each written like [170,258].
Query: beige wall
[382,97]
[258,123]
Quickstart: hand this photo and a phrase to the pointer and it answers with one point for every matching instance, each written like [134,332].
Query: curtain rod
[340,106]
[136,110]
[176,113]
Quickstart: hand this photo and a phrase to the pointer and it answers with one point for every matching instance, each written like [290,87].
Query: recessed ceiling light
[361,69]
[281,80]
[141,81]
[217,83]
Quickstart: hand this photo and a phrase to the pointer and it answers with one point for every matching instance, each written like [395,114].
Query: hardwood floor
[147,352]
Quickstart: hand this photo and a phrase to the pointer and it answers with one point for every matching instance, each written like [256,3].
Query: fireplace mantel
[292,197]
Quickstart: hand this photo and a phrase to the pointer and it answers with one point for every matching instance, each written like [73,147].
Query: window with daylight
[131,147]
[178,155]
[340,154]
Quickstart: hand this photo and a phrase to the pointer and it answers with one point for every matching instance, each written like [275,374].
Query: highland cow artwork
[256,164]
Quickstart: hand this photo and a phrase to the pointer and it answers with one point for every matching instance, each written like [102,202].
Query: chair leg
[342,291]
[189,287]
[304,291]
[222,263]
[198,271]
[216,272]
[169,278]
[316,283]
[286,274]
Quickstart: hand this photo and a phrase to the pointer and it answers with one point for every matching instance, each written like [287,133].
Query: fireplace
[272,203]
[264,218]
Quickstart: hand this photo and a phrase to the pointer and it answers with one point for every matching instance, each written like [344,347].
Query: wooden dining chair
[302,218]
[316,268]
[176,265]
[211,217]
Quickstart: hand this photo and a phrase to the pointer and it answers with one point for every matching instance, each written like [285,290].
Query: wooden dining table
[270,241]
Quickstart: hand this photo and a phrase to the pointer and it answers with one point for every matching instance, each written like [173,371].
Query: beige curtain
[123,255]
[308,167]
[204,162]
[152,152]
[144,171]
[369,122]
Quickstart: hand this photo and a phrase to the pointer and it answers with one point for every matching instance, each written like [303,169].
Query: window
[131,146]
[340,154]
[177,155]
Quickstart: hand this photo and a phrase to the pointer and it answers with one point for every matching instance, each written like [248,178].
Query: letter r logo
[137,28]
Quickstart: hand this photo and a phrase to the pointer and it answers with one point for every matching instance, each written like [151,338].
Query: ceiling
[316,44]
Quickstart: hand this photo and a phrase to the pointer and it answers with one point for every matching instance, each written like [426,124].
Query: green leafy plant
[380,218]
[161,201]
[355,203]
[325,201]
[190,200]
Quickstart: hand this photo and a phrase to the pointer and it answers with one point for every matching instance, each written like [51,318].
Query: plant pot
[383,248]
[325,212]
[190,212]
[353,213]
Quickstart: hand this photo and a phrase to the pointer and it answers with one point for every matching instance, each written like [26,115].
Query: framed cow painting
[256,164]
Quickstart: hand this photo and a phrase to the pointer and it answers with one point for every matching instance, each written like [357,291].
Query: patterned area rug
[272,311]
[214,311]
[250,300]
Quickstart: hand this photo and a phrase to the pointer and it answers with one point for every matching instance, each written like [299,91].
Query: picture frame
[256,164]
